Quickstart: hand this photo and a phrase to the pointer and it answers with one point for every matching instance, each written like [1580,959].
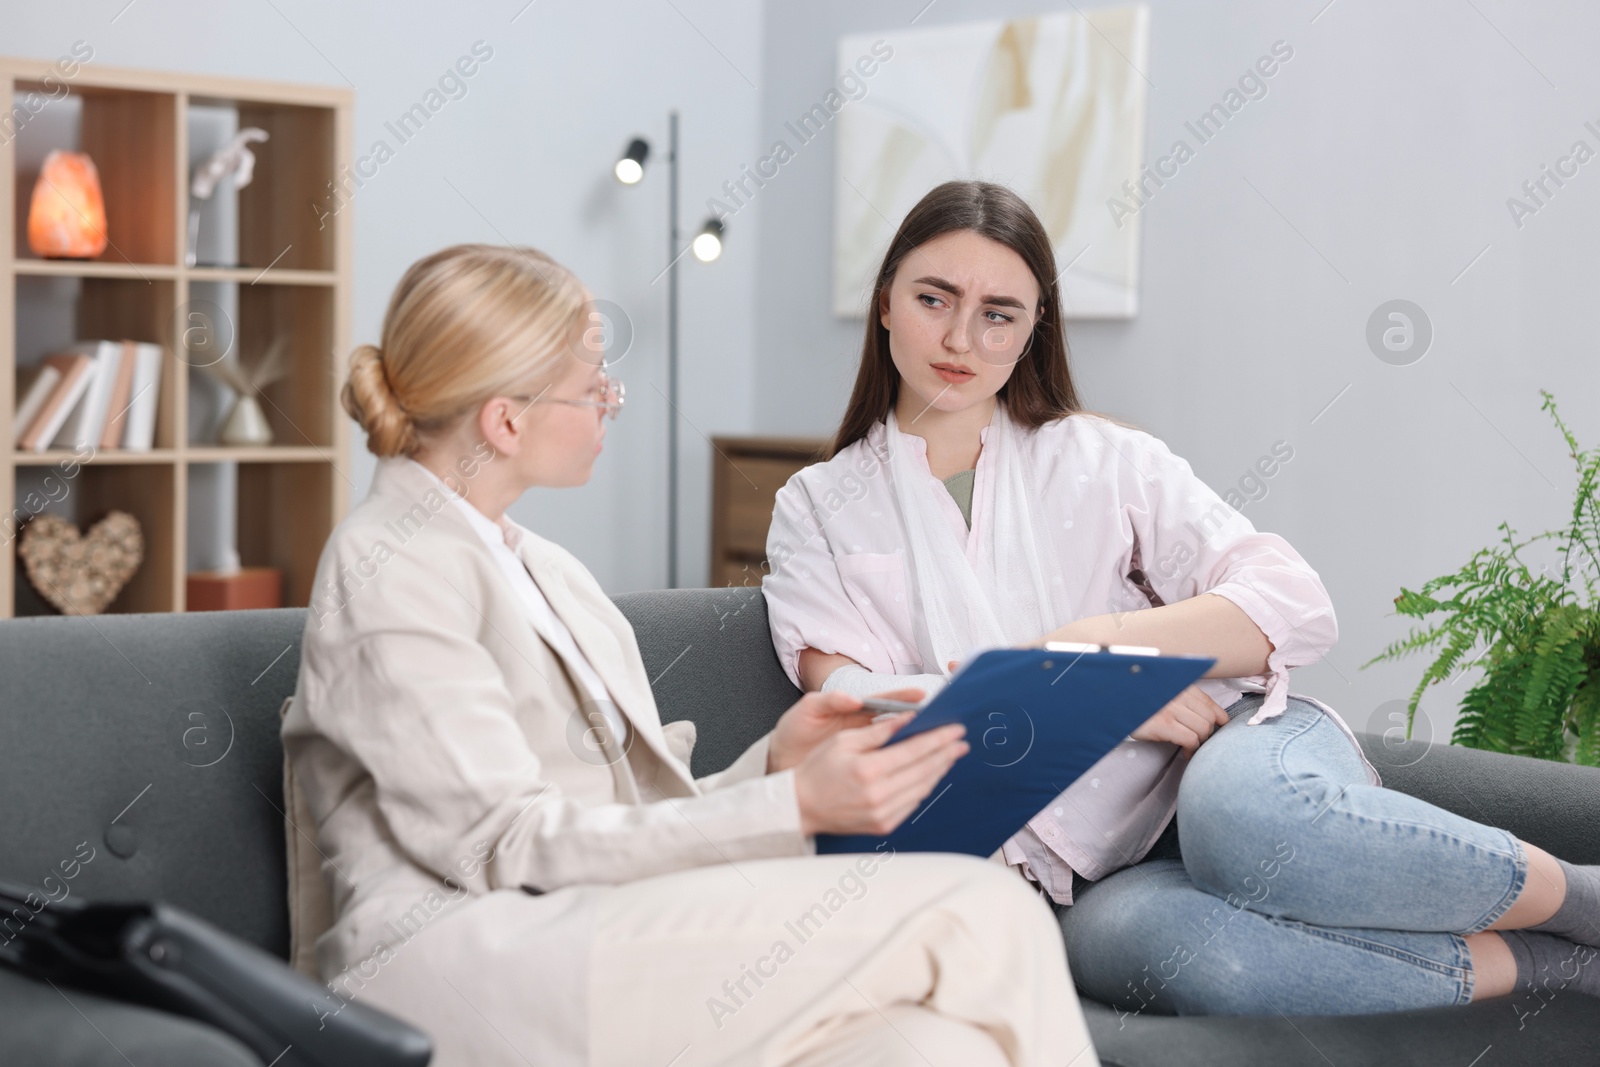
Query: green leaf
[1539,694]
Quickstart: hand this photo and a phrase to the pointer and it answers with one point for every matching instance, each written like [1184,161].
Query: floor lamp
[706,246]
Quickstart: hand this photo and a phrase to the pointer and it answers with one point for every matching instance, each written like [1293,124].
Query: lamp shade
[707,243]
[630,168]
[67,219]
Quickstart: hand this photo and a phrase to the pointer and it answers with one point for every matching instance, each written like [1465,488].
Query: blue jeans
[1292,886]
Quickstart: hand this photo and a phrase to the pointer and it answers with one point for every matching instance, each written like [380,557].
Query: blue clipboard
[1036,720]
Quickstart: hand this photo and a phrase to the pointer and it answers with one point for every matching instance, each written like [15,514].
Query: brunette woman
[971,501]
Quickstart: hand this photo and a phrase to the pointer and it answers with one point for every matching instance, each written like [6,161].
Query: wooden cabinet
[746,474]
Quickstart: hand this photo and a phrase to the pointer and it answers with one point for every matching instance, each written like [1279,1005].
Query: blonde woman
[496,837]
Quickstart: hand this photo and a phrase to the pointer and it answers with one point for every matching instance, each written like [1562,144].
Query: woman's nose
[956,339]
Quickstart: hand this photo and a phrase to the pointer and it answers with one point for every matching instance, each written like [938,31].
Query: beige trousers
[873,959]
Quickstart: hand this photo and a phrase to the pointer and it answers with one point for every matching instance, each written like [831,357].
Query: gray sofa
[154,739]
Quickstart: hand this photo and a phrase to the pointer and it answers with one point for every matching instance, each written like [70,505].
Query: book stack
[94,395]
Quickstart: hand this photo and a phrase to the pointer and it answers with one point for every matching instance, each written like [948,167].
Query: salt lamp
[67,219]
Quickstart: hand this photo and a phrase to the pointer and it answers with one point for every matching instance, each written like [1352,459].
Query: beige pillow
[310,904]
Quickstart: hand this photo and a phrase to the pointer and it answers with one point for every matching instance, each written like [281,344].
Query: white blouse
[1117,504]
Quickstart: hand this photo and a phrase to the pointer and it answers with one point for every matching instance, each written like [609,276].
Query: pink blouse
[1133,527]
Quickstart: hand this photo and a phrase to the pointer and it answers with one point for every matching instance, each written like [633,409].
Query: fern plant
[1539,634]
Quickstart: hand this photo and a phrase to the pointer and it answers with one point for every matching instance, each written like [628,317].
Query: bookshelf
[287,272]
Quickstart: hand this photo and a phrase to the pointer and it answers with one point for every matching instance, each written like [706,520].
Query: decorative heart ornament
[77,574]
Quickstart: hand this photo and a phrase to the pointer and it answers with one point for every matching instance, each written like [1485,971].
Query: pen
[884,707]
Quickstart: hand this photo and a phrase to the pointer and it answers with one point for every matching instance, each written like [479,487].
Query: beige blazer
[437,750]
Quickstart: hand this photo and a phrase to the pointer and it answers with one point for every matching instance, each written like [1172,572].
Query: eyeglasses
[609,395]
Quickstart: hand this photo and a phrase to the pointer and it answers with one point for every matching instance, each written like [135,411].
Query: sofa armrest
[69,1025]
[1553,805]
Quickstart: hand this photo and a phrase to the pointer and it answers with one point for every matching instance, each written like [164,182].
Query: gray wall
[1383,153]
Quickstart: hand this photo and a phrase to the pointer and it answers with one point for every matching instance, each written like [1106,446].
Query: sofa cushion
[1554,805]
[145,749]
[709,656]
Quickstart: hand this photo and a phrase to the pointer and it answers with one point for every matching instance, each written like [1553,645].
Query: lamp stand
[672,350]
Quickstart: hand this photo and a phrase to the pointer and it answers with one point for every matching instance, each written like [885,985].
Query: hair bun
[370,400]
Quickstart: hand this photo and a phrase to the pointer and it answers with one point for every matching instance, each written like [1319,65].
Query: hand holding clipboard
[1037,719]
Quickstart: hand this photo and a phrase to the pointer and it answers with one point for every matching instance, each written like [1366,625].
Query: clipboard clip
[1086,646]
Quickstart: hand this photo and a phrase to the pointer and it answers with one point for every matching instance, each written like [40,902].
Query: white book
[44,383]
[74,368]
[140,433]
[87,419]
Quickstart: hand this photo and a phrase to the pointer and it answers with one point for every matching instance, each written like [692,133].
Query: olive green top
[960,486]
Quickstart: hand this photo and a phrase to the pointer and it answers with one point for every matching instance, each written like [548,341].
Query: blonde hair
[465,323]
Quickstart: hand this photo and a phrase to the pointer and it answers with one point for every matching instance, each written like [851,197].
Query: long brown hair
[1040,388]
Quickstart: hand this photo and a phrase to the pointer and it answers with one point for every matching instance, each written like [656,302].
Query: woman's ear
[499,424]
[883,307]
